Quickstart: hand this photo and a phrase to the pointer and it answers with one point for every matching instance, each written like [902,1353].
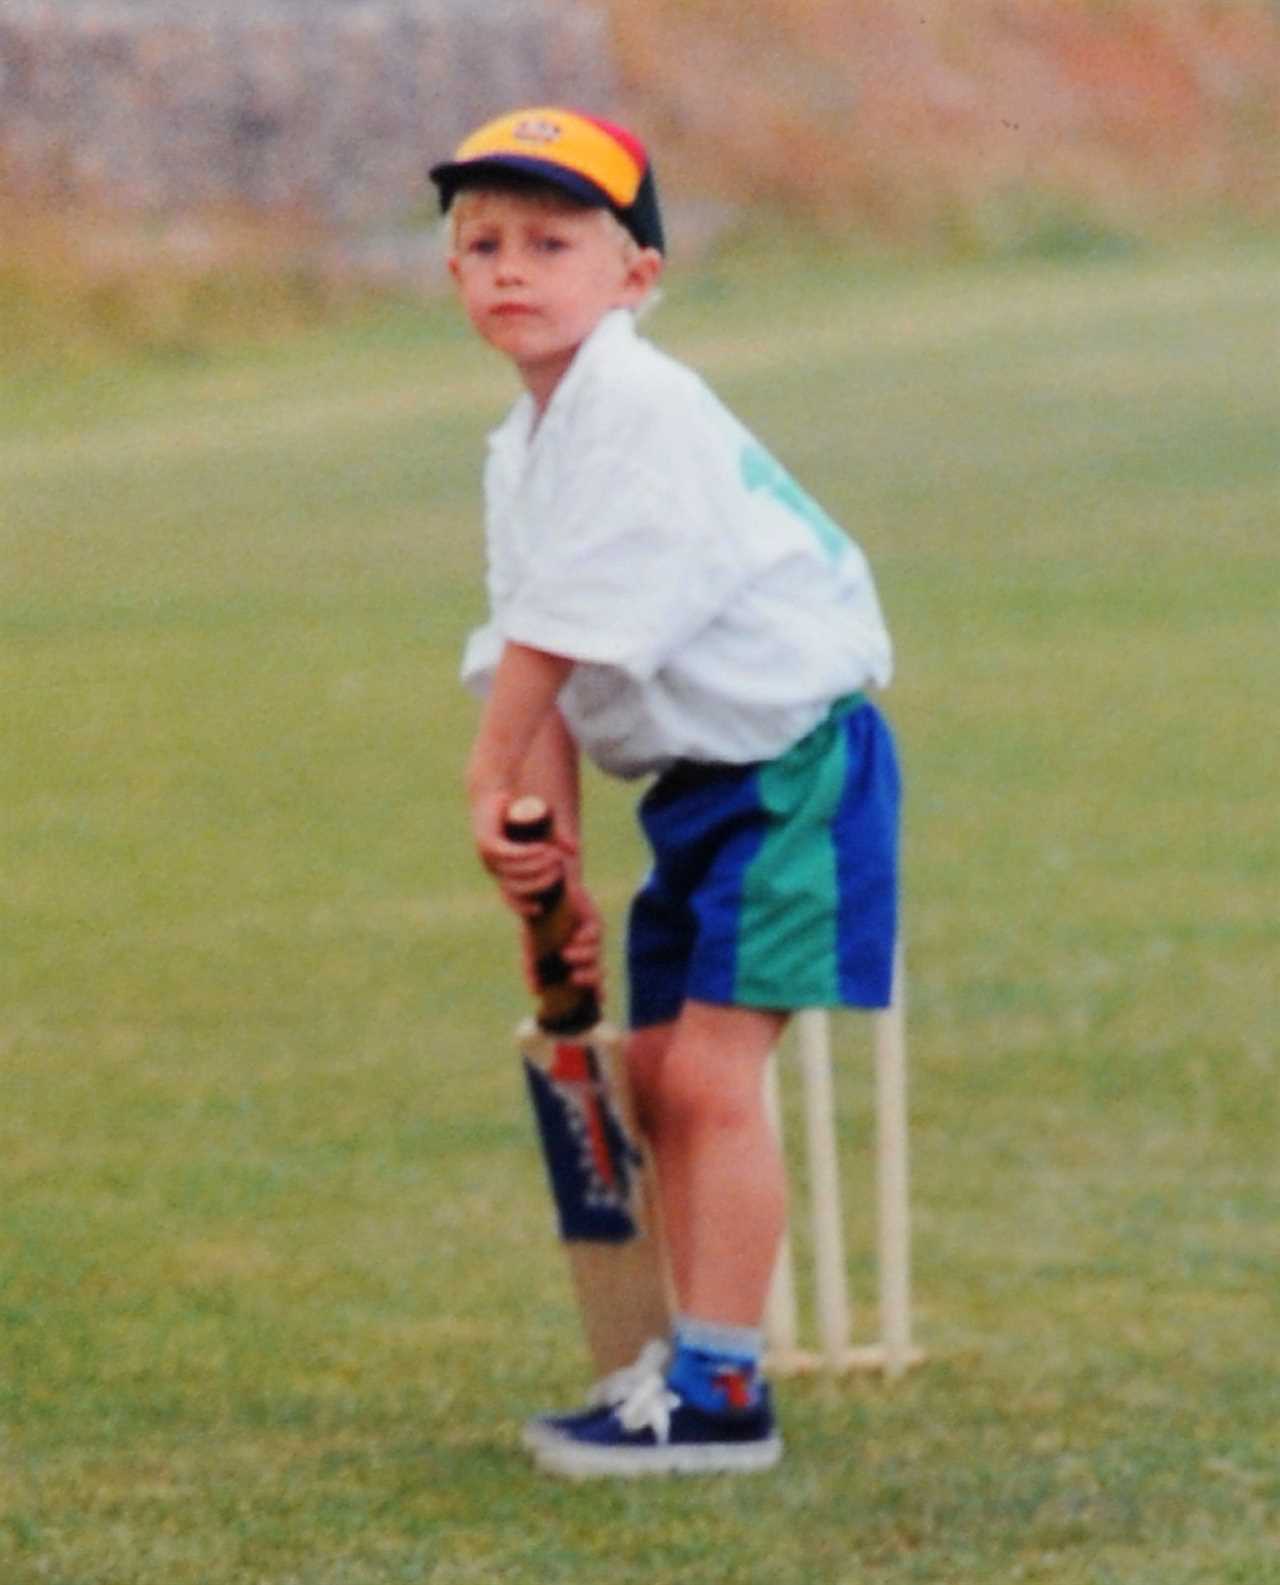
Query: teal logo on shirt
[760,471]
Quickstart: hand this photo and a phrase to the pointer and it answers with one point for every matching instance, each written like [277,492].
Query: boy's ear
[645,270]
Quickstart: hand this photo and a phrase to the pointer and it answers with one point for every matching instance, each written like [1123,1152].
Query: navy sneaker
[603,1398]
[656,1432]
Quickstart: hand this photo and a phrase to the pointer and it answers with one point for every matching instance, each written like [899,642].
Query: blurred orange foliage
[918,117]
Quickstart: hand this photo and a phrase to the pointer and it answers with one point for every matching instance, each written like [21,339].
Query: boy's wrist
[487,804]
[483,787]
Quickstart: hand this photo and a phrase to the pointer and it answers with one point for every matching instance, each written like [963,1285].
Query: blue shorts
[774,885]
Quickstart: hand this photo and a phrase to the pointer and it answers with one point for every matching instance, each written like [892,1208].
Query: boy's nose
[509,265]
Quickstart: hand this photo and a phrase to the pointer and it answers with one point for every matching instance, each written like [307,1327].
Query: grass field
[277,1281]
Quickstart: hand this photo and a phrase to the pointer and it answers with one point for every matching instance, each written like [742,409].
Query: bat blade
[592,1162]
[600,1182]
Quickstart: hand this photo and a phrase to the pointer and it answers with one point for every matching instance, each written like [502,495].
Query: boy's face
[536,276]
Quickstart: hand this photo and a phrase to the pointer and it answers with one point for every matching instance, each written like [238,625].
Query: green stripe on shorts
[790,893]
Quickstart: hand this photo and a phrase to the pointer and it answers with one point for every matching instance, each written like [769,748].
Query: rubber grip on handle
[563,1007]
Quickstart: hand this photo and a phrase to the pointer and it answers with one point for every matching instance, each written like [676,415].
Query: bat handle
[563,1007]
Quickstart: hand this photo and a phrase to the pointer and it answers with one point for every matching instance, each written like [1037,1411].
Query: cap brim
[452,176]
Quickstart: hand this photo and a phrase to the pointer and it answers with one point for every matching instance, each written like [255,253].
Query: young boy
[667,600]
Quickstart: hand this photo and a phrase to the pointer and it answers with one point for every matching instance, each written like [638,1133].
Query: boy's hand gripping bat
[599,1176]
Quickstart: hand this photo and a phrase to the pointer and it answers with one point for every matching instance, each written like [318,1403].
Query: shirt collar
[516,432]
[617,327]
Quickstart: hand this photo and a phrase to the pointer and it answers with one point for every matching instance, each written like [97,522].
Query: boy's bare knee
[712,1072]
[697,1094]
[689,1104]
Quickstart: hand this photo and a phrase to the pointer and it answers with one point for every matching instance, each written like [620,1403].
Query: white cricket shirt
[713,609]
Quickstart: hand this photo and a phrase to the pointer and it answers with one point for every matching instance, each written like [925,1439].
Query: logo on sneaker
[736,1386]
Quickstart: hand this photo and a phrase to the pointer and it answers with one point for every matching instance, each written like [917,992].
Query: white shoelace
[619,1385]
[649,1407]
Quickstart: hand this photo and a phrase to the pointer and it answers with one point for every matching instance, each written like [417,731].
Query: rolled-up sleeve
[480,656]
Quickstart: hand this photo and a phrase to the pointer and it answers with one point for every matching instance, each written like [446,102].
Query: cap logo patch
[537,130]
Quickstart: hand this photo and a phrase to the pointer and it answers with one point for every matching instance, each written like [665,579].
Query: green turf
[277,1282]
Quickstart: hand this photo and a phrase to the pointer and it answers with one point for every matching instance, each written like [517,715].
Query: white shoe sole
[537,1434]
[560,1455]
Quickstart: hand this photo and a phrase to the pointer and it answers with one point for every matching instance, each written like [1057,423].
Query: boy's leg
[699,1088]
[699,1092]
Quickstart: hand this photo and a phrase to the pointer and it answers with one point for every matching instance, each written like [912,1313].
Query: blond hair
[538,196]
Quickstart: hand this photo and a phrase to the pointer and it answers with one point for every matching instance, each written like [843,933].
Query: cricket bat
[597,1168]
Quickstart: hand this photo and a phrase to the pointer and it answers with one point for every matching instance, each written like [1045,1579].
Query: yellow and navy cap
[594,161]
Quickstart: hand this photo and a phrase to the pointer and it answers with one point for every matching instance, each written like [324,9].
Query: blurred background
[998,281]
[170,169]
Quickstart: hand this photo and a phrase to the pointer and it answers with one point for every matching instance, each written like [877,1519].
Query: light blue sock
[716,1368]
